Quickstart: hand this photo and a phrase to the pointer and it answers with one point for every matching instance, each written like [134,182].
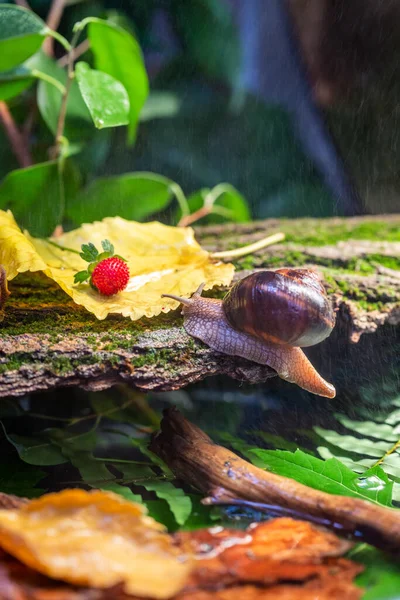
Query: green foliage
[105,97]
[20,479]
[379,444]
[118,54]
[49,98]
[25,190]
[89,252]
[21,35]
[330,476]
[224,202]
[209,36]
[381,578]
[131,196]
[72,97]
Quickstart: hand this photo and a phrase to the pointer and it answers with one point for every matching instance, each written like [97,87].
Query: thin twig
[198,214]
[76,53]
[15,137]
[63,110]
[23,3]
[53,21]
[237,252]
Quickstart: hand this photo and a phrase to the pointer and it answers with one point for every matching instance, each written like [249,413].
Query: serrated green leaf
[117,53]
[381,431]
[21,35]
[105,97]
[89,252]
[360,454]
[351,443]
[81,276]
[107,246]
[37,450]
[132,196]
[330,476]
[179,503]
[17,478]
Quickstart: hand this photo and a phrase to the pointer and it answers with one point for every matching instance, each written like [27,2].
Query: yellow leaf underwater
[161,260]
[95,539]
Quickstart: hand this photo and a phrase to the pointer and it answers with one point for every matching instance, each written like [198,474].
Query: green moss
[320,232]
[61,365]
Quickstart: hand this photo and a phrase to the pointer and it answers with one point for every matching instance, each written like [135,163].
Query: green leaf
[225,201]
[17,478]
[36,450]
[117,53]
[381,578]
[380,443]
[160,105]
[179,503]
[209,36]
[107,246]
[81,276]
[132,196]
[330,476]
[89,252]
[21,35]
[78,123]
[105,97]
[14,82]
[36,197]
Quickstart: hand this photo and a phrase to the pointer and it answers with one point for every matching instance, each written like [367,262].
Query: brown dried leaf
[267,553]
[95,539]
[283,558]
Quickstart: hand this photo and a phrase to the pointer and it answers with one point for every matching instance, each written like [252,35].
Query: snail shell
[287,306]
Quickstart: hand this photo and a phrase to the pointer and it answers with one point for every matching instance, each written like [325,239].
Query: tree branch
[15,137]
[53,21]
[228,479]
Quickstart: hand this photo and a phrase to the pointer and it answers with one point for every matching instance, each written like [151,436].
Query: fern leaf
[380,445]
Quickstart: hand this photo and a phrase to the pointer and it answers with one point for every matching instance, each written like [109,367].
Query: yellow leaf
[17,253]
[161,259]
[95,539]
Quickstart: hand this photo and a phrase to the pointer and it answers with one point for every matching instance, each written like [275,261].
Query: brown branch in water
[228,479]
[53,21]
[17,141]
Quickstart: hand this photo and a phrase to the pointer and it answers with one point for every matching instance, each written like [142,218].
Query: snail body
[265,318]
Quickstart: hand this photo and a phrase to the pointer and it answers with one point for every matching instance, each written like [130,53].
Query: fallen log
[226,478]
[47,341]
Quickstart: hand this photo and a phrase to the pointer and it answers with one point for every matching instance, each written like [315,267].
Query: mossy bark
[47,341]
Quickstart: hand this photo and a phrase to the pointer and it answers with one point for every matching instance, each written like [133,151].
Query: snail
[265,318]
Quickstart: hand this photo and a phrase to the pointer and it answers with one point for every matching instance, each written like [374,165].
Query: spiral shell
[287,306]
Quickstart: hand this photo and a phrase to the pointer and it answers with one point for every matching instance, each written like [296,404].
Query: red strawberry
[110,276]
[107,273]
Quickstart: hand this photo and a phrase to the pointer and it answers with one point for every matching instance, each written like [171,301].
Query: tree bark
[46,341]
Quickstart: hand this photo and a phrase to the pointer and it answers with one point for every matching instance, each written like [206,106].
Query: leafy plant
[108,89]
[379,445]
[84,443]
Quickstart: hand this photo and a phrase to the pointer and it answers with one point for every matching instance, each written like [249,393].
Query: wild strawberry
[110,276]
[107,273]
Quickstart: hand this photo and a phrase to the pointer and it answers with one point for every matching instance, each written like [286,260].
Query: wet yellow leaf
[95,539]
[161,259]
